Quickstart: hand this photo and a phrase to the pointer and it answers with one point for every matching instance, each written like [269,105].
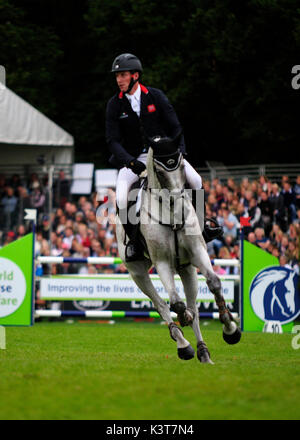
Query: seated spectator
[284,244]
[277,203]
[283,261]
[255,214]
[70,210]
[57,246]
[96,248]
[229,242]
[229,222]
[82,236]
[261,240]
[212,203]
[62,220]
[263,181]
[10,236]
[224,254]
[231,184]
[76,249]
[91,220]
[246,197]
[289,201]
[297,191]
[276,252]
[68,238]
[293,231]
[251,238]
[45,228]
[21,231]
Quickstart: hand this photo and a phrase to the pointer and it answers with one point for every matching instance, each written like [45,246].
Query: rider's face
[123,79]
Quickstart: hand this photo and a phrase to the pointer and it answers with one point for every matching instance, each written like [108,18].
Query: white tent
[25,134]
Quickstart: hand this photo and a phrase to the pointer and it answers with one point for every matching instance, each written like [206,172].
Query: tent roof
[23,124]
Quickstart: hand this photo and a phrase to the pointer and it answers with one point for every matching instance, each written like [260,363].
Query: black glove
[136,166]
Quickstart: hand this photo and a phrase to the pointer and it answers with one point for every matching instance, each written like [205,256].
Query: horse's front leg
[184,349]
[189,280]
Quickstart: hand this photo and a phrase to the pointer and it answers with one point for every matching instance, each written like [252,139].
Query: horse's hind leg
[231,332]
[189,280]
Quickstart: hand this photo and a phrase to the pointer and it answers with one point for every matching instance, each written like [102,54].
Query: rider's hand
[136,166]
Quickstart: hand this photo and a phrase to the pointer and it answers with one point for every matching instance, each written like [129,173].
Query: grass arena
[74,367]
[129,370]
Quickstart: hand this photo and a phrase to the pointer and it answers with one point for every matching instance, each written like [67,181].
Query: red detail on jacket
[151,108]
[144,89]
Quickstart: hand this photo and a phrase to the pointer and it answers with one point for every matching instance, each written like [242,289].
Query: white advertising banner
[118,288]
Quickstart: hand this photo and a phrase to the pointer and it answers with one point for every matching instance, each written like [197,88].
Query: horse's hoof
[232,338]
[186,353]
[204,358]
[203,354]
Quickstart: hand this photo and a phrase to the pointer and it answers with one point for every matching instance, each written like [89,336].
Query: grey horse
[174,246]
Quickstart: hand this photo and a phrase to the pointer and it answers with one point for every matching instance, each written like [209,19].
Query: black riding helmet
[127,62]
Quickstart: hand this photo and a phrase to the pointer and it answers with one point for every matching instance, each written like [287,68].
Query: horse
[174,246]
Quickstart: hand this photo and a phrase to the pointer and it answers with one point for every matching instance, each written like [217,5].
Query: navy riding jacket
[127,134]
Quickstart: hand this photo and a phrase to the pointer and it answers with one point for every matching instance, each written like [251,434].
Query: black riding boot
[134,249]
[208,232]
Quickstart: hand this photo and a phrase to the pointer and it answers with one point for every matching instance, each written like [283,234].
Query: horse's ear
[164,144]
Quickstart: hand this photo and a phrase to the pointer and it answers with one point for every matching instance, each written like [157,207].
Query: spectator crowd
[78,227]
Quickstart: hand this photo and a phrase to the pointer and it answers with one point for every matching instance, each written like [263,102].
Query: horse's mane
[153,181]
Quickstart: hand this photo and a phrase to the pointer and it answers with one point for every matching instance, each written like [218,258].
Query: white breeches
[127,177]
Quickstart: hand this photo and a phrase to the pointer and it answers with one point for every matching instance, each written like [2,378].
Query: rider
[133,115]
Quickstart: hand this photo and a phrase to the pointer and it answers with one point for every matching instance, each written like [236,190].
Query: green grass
[130,371]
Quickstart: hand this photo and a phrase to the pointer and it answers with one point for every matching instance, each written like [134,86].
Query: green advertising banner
[269,293]
[16,282]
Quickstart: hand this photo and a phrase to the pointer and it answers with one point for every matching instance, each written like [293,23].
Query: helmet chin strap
[131,84]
